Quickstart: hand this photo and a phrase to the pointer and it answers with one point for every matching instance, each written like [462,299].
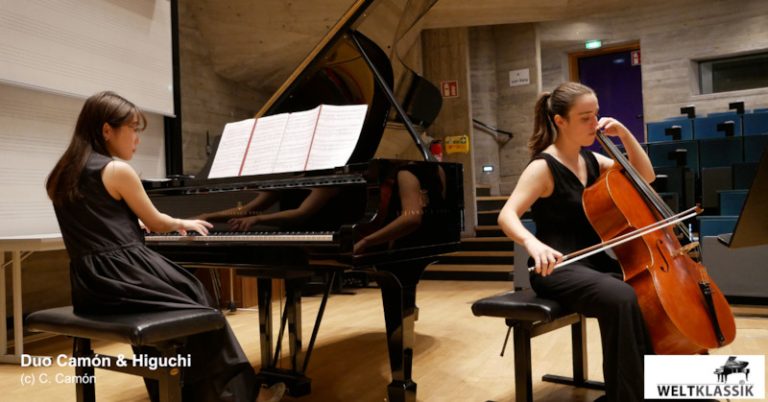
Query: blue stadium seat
[707,127]
[672,200]
[657,131]
[756,123]
[712,181]
[754,146]
[522,278]
[529,224]
[728,114]
[717,152]
[731,201]
[677,180]
[662,154]
[743,175]
[716,225]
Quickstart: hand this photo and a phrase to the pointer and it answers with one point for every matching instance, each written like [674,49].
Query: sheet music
[232,146]
[336,135]
[320,138]
[265,141]
[297,139]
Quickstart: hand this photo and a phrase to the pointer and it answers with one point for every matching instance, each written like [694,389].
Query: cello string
[640,184]
[652,195]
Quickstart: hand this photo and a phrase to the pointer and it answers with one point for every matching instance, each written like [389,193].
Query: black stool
[528,316]
[165,331]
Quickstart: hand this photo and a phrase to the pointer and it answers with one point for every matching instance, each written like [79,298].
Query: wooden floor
[456,357]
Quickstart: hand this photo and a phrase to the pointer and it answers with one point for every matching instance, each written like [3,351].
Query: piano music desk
[16,245]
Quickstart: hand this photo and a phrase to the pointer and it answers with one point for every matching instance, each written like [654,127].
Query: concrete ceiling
[259,43]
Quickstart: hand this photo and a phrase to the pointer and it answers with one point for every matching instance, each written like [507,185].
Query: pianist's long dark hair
[103,107]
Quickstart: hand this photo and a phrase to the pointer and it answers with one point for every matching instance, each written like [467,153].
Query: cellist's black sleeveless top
[560,219]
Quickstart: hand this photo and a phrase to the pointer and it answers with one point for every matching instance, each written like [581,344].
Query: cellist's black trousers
[623,333]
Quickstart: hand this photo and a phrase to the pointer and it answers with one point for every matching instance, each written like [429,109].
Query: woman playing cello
[551,186]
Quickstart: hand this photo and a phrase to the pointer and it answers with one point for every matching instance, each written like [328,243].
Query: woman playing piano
[97,200]
[551,185]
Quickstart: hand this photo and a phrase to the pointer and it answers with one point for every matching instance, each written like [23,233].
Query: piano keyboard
[245,237]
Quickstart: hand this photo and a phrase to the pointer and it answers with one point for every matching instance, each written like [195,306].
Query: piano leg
[398,290]
[294,378]
[264,297]
[293,309]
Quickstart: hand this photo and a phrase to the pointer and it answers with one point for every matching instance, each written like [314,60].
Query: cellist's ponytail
[543,130]
[548,105]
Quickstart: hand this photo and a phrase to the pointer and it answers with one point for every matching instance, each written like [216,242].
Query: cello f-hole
[665,265]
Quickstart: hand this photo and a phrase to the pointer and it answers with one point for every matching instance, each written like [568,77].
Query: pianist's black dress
[112,272]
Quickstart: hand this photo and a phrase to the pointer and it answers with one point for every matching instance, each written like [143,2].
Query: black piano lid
[334,72]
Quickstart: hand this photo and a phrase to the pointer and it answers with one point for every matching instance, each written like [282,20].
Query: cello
[685,312]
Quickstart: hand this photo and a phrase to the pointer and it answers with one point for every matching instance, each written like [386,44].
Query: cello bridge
[688,249]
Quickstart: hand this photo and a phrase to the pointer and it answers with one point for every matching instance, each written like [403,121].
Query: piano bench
[528,316]
[165,331]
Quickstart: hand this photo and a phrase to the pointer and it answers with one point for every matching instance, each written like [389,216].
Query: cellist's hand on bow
[612,127]
[545,258]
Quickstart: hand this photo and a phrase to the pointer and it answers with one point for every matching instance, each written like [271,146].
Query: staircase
[488,256]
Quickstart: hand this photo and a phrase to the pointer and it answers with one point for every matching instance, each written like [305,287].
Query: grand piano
[732,366]
[359,217]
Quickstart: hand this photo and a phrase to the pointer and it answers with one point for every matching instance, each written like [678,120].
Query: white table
[16,245]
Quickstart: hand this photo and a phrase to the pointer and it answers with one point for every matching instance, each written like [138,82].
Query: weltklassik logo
[732,366]
[705,376]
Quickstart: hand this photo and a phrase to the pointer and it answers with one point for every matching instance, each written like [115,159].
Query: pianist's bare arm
[122,183]
[409,219]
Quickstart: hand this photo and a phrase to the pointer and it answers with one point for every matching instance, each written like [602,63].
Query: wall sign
[449,89]
[457,144]
[519,77]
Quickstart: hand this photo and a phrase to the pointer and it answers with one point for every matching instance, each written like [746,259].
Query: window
[734,73]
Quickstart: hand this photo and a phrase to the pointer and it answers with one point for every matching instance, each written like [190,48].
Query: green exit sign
[593,44]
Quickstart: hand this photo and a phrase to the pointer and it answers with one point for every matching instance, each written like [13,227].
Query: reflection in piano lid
[390,217]
[399,207]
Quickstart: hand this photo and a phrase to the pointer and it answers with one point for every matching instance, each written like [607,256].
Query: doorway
[614,73]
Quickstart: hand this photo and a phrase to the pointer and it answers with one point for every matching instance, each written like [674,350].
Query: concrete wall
[482,63]
[495,51]
[673,36]
[446,58]
[208,100]
[517,47]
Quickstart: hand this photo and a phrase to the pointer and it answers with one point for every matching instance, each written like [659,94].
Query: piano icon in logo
[732,366]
